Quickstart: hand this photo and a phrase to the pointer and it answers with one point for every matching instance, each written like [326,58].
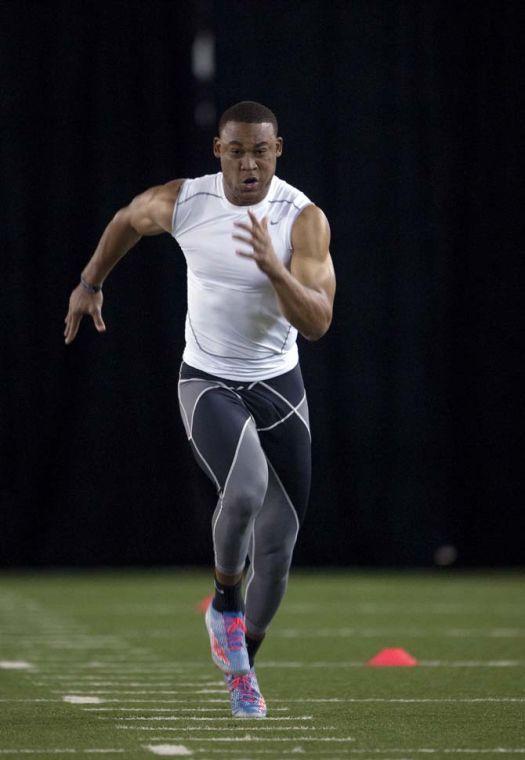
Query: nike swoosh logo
[277,222]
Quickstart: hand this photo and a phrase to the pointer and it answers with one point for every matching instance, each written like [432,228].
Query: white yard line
[296,750]
[77,699]
[410,633]
[73,683]
[313,700]
[116,660]
[388,699]
[471,663]
[424,750]
[345,740]
[156,669]
[188,697]
[146,691]
[125,667]
[90,697]
[51,665]
[162,702]
[124,680]
[16,665]
[341,751]
[165,709]
[420,608]
[421,663]
[291,664]
[208,718]
[67,751]
[373,751]
[169,750]
[30,700]
[497,750]
[229,728]
[251,738]
[66,682]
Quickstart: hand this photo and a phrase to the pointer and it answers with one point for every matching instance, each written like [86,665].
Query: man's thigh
[280,410]
[287,448]
[214,419]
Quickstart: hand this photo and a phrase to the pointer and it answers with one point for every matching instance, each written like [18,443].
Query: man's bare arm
[306,292]
[309,307]
[148,214]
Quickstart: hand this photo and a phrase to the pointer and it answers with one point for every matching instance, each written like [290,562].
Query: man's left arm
[306,292]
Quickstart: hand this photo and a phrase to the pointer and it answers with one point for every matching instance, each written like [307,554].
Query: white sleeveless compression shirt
[234,327]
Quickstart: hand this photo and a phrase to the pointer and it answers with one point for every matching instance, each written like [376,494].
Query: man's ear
[217,147]
[279,146]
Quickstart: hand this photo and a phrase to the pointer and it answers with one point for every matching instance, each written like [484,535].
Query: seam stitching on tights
[182,407]
[195,445]
[209,388]
[283,419]
[235,455]
[289,501]
[223,493]
[252,561]
[289,404]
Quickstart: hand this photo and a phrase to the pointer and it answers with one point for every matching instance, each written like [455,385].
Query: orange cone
[392,658]
[203,605]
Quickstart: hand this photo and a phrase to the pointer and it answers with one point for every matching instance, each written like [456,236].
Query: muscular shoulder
[150,212]
[311,232]
[172,188]
[167,193]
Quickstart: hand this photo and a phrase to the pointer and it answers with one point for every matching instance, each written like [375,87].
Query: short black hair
[249,112]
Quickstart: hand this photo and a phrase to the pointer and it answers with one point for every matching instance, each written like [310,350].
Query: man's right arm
[148,214]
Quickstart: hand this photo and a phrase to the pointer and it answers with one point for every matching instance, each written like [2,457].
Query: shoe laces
[245,688]
[235,633]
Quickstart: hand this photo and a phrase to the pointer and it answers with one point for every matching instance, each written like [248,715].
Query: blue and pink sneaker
[245,698]
[228,645]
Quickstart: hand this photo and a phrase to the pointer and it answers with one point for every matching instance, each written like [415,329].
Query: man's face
[248,154]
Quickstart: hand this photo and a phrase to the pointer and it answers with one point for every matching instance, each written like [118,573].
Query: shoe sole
[248,716]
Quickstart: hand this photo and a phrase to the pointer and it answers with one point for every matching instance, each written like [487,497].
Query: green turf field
[135,644]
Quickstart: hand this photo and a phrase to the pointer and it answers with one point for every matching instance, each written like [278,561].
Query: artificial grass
[137,637]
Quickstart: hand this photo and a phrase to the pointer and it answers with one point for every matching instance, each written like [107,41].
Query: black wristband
[91,288]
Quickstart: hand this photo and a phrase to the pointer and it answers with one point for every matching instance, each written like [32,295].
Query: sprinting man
[259,272]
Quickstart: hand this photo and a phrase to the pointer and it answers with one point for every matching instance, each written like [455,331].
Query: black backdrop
[401,120]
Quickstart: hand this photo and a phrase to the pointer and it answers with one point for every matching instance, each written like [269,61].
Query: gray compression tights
[258,522]
[254,516]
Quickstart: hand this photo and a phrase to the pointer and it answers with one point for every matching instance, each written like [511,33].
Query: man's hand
[148,214]
[82,302]
[259,239]
[306,291]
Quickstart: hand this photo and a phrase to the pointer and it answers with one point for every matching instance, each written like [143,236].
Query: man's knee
[274,563]
[246,498]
